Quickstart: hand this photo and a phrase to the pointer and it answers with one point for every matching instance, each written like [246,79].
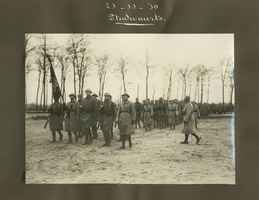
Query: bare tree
[154,91]
[203,74]
[223,72]
[169,73]
[40,68]
[184,74]
[122,68]
[232,78]
[102,68]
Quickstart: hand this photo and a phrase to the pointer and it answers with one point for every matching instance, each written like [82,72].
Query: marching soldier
[89,113]
[137,106]
[127,118]
[147,114]
[172,109]
[80,124]
[94,123]
[108,116]
[71,119]
[56,119]
[189,122]
[196,113]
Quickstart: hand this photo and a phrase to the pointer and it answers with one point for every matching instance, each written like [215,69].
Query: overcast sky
[163,49]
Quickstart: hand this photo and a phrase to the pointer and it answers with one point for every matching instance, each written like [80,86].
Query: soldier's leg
[60,135]
[105,139]
[90,135]
[76,137]
[197,138]
[174,126]
[94,129]
[86,133]
[123,142]
[171,126]
[69,137]
[139,124]
[186,139]
[53,137]
[108,138]
[111,132]
[130,143]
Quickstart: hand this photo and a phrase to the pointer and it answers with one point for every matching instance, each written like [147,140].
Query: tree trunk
[74,69]
[169,87]
[208,90]
[64,90]
[42,89]
[46,93]
[83,82]
[223,86]
[198,91]
[100,87]
[37,94]
[147,83]
[123,80]
[44,78]
[195,91]
[190,90]
[138,91]
[178,88]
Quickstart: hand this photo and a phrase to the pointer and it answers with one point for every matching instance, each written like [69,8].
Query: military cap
[175,100]
[80,95]
[72,94]
[88,90]
[187,97]
[94,95]
[171,101]
[125,94]
[107,94]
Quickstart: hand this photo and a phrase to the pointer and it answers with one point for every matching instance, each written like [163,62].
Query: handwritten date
[132,6]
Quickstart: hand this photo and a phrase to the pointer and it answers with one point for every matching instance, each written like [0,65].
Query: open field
[157,157]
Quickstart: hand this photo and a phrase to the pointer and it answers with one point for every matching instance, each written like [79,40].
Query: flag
[56,92]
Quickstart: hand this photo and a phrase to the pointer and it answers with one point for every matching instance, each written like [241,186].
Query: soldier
[94,122]
[114,104]
[108,116]
[147,114]
[155,114]
[71,119]
[56,119]
[80,124]
[166,114]
[196,113]
[162,110]
[189,122]
[127,118]
[172,109]
[89,113]
[137,106]
[142,107]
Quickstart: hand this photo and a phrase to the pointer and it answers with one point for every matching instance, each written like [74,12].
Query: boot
[186,139]
[123,142]
[197,138]
[139,124]
[130,143]
[69,137]
[60,135]
[174,126]
[86,138]
[53,137]
[76,137]
[91,137]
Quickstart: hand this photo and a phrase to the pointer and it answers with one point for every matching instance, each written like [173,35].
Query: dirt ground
[157,157]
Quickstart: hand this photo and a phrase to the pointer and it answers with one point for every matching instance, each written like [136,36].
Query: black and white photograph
[129,108]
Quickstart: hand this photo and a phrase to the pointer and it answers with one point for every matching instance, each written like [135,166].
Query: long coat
[71,119]
[137,106]
[147,114]
[127,114]
[189,121]
[56,119]
[162,110]
[172,112]
[95,119]
[89,111]
[108,115]
[196,113]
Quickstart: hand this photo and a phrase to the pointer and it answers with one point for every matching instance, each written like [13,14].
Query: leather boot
[53,137]
[60,135]
[123,142]
[76,137]
[174,126]
[69,137]
[86,138]
[130,143]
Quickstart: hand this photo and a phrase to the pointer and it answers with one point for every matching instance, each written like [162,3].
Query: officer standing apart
[56,119]
[108,116]
[71,119]
[147,114]
[88,114]
[127,118]
[189,121]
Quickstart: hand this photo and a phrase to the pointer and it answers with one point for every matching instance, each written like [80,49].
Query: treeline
[75,60]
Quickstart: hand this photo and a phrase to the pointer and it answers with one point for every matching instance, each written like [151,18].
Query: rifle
[47,121]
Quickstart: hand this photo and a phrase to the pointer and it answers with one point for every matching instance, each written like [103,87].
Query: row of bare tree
[76,59]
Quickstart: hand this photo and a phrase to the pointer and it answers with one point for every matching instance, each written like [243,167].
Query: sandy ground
[157,157]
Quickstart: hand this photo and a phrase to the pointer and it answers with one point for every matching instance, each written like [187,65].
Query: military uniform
[172,111]
[95,119]
[80,122]
[137,106]
[108,116]
[155,114]
[71,119]
[127,117]
[56,120]
[147,114]
[89,113]
[162,110]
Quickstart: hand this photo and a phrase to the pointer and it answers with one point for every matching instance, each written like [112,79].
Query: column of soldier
[83,116]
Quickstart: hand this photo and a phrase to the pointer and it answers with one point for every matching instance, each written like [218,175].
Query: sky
[163,50]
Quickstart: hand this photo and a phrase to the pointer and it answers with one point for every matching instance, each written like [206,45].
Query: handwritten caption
[134,20]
